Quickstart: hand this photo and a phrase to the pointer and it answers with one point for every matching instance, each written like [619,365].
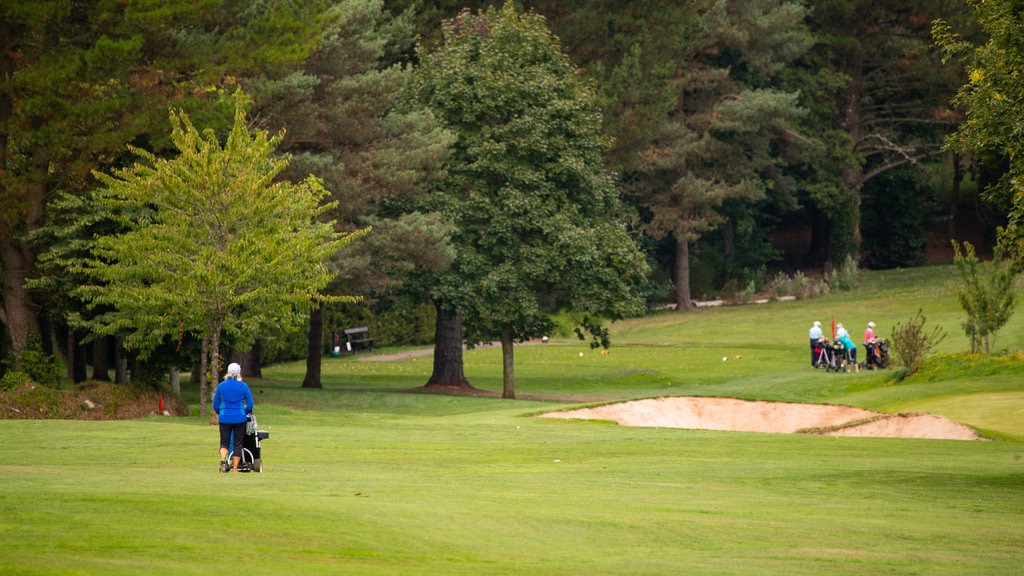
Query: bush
[13,379]
[41,367]
[985,292]
[800,285]
[912,345]
[781,285]
[845,277]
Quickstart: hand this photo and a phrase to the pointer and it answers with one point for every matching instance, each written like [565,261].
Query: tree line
[511,161]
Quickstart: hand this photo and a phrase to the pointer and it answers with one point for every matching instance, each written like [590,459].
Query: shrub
[41,367]
[985,293]
[912,345]
[13,379]
[845,277]
[781,285]
[800,285]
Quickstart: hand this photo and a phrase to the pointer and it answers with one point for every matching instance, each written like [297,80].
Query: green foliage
[800,285]
[40,367]
[534,210]
[780,285]
[212,242]
[845,277]
[13,379]
[405,327]
[706,157]
[993,100]
[911,345]
[214,236]
[986,292]
[894,213]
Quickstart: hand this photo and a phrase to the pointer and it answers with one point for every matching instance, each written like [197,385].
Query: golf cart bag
[823,357]
[837,351]
[252,460]
[877,353]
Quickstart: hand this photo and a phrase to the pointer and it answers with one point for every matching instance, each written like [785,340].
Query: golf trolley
[252,460]
[830,355]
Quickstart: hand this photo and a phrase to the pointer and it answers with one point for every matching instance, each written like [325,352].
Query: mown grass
[367,477]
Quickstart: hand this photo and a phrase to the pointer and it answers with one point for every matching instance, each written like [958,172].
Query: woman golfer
[232,402]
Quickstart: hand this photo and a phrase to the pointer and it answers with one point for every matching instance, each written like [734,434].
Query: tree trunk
[254,359]
[448,370]
[209,368]
[19,312]
[101,359]
[78,355]
[174,379]
[250,361]
[314,348]
[204,356]
[682,275]
[954,200]
[728,243]
[508,376]
[120,362]
[215,361]
[819,251]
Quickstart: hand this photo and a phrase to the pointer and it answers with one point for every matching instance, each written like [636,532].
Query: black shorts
[225,436]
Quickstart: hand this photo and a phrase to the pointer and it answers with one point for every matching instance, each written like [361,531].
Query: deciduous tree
[81,79]
[212,244]
[986,293]
[993,100]
[533,206]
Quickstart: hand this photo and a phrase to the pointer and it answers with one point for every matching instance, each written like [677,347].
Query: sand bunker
[772,417]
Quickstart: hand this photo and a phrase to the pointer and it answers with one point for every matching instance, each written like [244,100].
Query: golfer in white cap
[233,403]
[815,335]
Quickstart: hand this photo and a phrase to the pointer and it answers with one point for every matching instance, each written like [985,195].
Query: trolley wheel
[257,465]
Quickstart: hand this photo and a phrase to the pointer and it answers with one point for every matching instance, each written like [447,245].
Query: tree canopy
[212,243]
[738,152]
[533,206]
[993,100]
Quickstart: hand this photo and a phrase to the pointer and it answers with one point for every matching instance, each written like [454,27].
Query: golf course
[372,475]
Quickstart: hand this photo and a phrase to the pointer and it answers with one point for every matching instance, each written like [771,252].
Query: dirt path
[778,417]
[407,355]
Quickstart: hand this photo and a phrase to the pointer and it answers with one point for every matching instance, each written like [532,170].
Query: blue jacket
[232,401]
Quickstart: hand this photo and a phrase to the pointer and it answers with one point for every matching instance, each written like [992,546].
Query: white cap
[234,368]
[816,323]
[871,324]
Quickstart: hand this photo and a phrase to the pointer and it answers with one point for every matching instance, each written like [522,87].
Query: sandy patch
[771,417]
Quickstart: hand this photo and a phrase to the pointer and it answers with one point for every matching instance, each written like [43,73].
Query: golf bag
[821,350]
[877,353]
[837,353]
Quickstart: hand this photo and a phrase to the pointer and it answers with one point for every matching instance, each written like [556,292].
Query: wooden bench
[357,338]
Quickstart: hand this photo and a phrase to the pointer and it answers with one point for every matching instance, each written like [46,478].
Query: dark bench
[357,338]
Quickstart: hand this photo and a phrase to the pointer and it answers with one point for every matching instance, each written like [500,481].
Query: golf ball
[581,354]
[723,358]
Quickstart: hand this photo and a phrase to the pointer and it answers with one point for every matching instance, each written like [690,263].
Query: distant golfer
[232,402]
[815,334]
[843,336]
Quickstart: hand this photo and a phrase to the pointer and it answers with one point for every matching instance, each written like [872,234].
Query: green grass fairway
[367,477]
